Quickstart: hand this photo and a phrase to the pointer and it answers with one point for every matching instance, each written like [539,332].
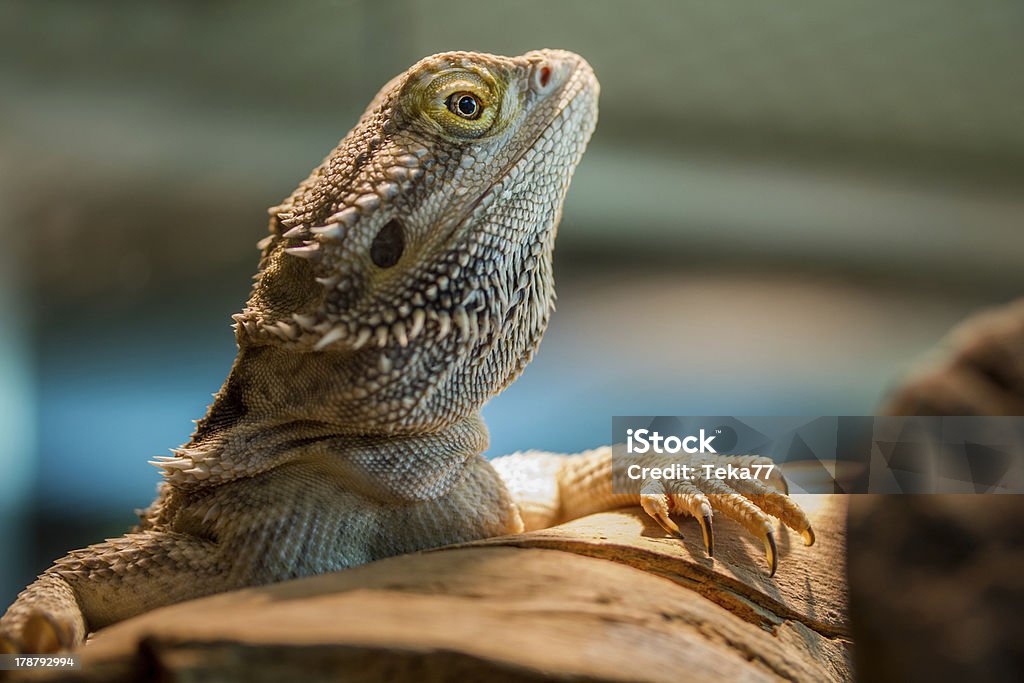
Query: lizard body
[402,285]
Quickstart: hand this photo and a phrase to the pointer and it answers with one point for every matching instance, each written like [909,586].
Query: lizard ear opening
[388,245]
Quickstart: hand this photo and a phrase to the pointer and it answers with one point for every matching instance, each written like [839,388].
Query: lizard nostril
[545,76]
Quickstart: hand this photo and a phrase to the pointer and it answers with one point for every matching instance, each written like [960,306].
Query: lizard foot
[8,646]
[39,633]
[748,501]
[44,634]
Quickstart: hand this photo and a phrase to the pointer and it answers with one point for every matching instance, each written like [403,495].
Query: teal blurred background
[783,206]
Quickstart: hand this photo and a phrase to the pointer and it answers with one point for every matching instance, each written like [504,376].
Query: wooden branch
[604,598]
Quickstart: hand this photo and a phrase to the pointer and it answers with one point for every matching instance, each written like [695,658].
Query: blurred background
[784,205]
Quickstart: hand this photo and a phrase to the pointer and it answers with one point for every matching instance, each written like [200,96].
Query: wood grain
[605,598]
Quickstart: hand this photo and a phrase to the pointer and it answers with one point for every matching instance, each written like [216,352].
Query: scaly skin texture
[403,284]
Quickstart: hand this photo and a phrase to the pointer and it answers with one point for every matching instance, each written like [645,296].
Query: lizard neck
[278,406]
[270,385]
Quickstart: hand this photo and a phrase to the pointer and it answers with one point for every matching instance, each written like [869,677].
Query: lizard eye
[464,104]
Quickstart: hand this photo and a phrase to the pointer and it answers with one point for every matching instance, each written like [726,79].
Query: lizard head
[418,254]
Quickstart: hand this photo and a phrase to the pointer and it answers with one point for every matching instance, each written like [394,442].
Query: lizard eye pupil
[465,105]
[388,245]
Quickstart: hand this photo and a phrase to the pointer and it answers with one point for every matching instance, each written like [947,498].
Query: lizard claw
[656,506]
[709,534]
[750,502]
[771,552]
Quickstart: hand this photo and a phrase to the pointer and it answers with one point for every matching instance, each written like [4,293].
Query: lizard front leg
[550,488]
[110,581]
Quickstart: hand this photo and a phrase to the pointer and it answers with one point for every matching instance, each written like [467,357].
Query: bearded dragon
[403,284]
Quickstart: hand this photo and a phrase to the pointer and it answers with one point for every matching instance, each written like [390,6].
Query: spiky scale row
[401,325]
